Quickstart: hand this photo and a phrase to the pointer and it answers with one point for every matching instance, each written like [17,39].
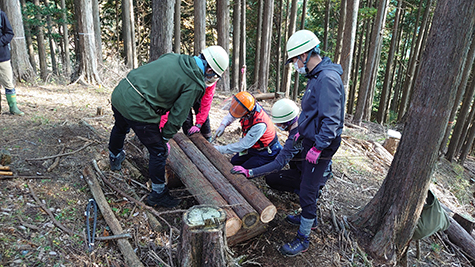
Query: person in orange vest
[259,144]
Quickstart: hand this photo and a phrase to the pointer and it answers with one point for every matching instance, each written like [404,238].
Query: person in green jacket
[172,83]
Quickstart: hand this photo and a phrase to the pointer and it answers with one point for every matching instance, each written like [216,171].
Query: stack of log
[206,174]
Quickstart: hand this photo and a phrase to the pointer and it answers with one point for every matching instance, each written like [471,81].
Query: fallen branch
[56,161]
[60,155]
[25,177]
[112,237]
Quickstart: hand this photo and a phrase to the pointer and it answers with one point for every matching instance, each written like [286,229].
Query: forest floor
[63,119]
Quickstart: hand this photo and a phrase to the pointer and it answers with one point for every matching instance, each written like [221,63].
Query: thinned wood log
[246,234]
[200,187]
[264,96]
[247,189]
[202,237]
[461,238]
[239,204]
[127,251]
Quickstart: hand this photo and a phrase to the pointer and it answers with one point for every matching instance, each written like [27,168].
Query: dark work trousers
[304,178]
[205,129]
[150,136]
[255,158]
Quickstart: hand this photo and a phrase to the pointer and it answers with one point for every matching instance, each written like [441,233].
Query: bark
[66,61]
[408,82]
[385,92]
[222,12]
[177,27]
[392,214]
[286,77]
[236,66]
[22,69]
[246,234]
[265,52]
[203,241]
[201,189]
[200,26]
[88,61]
[127,251]
[348,45]
[247,189]
[162,28]
[341,31]
[372,63]
[243,209]
[40,40]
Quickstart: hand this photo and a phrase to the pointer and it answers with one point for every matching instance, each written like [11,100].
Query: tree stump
[203,239]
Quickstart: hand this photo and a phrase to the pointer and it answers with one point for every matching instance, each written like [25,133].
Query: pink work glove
[241,170]
[193,130]
[168,147]
[312,155]
[297,142]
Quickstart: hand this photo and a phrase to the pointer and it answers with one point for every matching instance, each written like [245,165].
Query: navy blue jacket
[6,36]
[323,104]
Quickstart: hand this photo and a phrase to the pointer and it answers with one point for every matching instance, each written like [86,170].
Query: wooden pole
[239,204]
[200,187]
[203,242]
[127,251]
[247,189]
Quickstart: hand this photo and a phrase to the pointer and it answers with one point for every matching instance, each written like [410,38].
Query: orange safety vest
[260,116]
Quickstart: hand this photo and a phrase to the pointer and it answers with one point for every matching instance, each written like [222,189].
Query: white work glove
[219,148]
[220,130]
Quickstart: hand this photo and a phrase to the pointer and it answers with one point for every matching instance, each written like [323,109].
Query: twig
[62,227]
[24,177]
[112,237]
[56,161]
[60,155]
[154,256]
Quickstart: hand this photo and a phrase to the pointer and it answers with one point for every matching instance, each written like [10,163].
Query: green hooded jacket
[172,83]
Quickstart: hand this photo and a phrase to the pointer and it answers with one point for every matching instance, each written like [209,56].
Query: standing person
[319,130]
[259,144]
[172,83]
[6,72]
[201,109]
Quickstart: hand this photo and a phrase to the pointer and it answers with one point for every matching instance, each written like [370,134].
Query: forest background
[380,44]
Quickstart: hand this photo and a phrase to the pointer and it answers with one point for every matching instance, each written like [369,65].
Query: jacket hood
[326,64]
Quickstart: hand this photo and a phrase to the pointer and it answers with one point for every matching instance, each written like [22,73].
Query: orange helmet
[242,103]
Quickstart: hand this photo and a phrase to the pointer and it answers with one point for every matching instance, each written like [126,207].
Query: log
[464,222]
[4,168]
[203,242]
[244,186]
[127,251]
[264,96]
[246,234]
[239,204]
[200,187]
[461,238]
[9,173]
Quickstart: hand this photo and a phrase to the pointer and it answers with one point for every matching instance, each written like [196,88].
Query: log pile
[206,174]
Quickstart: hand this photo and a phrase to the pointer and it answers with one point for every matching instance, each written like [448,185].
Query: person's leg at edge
[116,141]
[6,79]
[150,136]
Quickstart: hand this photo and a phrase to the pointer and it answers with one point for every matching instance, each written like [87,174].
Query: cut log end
[250,220]
[232,226]
[268,214]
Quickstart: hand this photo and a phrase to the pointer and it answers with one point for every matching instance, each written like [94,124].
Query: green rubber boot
[11,99]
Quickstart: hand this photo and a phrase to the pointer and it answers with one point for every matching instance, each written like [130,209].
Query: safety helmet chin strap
[207,66]
[313,50]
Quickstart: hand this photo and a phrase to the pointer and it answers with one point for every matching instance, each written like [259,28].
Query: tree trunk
[278,50]
[177,34]
[468,122]
[393,213]
[413,62]
[265,52]
[200,187]
[356,67]
[29,40]
[372,63]
[22,69]
[297,75]
[242,55]
[162,28]
[286,77]
[247,189]
[96,13]
[236,66]
[40,39]
[88,63]
[327,24]
[468,145]
[257,53]
[348,44]
[200,26]
[66,61]
[52,52]
[341,31]
[203,241]
[385,92]
[222,12]
[461,91]
[243,209]
[128,31]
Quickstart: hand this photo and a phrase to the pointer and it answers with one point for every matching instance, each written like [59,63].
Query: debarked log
[203,242]
[247,189]
[239,204]
[200,187]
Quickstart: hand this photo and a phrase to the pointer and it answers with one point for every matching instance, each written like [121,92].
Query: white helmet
[301,42]
[284,110]
[217,58]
